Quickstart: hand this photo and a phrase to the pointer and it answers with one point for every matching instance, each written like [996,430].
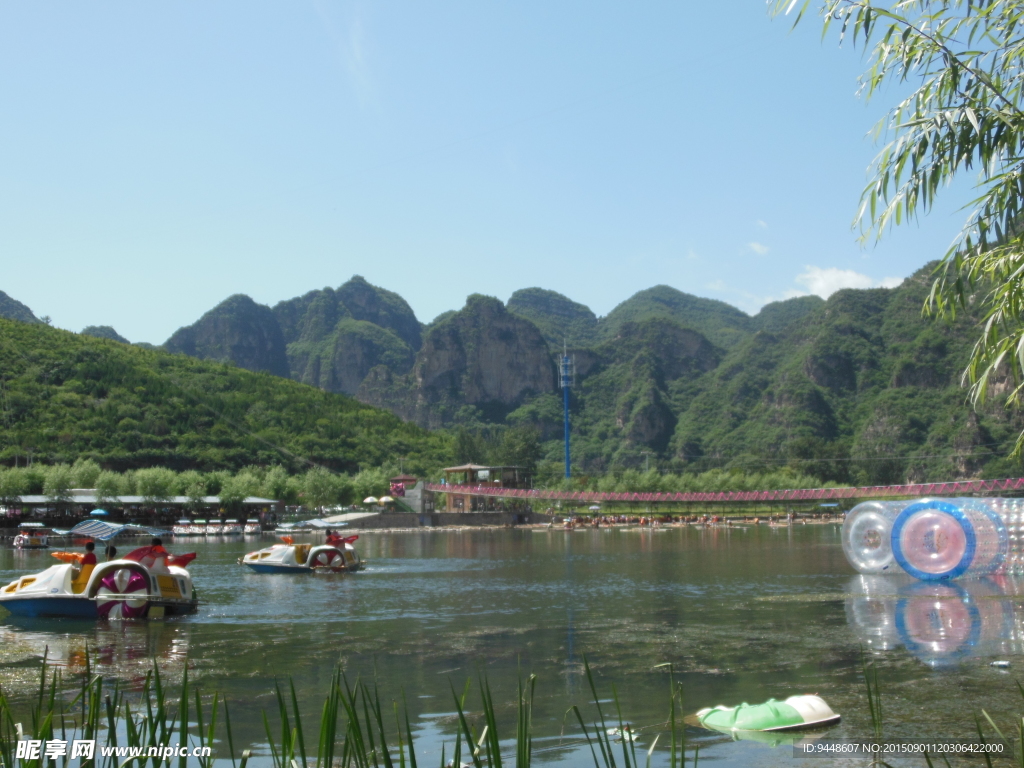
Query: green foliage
[319,488]
[155,484]
[58,482]
[861,390]
[13,483]
[107,486]
[70,396]
[779,315]
[964,115]
[519,447]
[372,482]
[721,323]
[12,309]
[84,473]
[559,319]
[104,332]
[191,484]
[339,360]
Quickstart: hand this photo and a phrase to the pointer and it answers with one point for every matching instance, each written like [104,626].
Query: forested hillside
[860,388]
[65,396]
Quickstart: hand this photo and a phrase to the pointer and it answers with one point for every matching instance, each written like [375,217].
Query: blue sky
[156,158]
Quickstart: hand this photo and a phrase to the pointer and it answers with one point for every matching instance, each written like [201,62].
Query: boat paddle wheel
[122,593]
[328,559]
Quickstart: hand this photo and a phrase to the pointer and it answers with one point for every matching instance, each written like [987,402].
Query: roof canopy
[104,531]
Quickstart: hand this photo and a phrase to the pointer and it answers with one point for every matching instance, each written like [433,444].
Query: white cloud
[351,42]
[762,224]
[825,282]
[759,248]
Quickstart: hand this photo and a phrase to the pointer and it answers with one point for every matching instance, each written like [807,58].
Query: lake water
[742,613]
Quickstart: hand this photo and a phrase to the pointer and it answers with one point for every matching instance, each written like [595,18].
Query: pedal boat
[148,582]
[119,589]
[305,558]
[32,536]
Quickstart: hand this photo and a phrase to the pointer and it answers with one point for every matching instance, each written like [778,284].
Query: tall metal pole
[565,380]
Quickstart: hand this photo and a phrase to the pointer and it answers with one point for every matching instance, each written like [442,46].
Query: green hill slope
[12,309]
[863,390]
[723,324]
[64,396]
[559,319]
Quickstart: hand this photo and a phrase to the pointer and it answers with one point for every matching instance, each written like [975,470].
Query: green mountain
[559,319]
[624,399]
[65,396]
[104,332]
[479,363]
[723,324]
[864,389]
[239,331]
[12,309]
[859,388]
[334,337]
[776,316]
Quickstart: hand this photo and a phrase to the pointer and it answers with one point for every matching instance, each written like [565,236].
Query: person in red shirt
[90,555]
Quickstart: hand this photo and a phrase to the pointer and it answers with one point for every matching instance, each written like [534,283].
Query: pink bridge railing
[955,488]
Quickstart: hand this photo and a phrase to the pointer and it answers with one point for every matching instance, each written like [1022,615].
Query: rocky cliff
[239,331]
[335,337]
[482,357]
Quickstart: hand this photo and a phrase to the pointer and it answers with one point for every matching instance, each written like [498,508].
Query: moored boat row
[229,527]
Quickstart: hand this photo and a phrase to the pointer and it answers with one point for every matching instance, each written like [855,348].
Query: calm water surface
[743,614]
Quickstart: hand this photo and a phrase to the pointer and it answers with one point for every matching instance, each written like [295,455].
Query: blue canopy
[99,513]
[104,531]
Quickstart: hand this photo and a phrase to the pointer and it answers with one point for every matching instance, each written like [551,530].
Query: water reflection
[939,623]
[125,650]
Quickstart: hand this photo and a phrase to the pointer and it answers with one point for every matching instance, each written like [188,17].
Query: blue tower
[567,369]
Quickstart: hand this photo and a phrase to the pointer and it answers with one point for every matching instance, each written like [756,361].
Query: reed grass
[357,729]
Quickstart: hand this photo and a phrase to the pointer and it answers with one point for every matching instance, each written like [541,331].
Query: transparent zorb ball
[867,540]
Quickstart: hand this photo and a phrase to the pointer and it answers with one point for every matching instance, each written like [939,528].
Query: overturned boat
[148,582]
[794,714]
[337,556]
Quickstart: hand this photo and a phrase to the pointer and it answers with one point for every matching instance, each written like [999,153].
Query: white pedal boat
[32,536]
[305,558]
[148,582]
[119,589]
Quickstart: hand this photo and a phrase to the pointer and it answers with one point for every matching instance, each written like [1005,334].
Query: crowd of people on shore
[655,521]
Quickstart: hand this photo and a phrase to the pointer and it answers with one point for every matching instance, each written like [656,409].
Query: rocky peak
[12,309]
[239,331]
[484,354]
[104,332]
[380,307]
[559,318]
